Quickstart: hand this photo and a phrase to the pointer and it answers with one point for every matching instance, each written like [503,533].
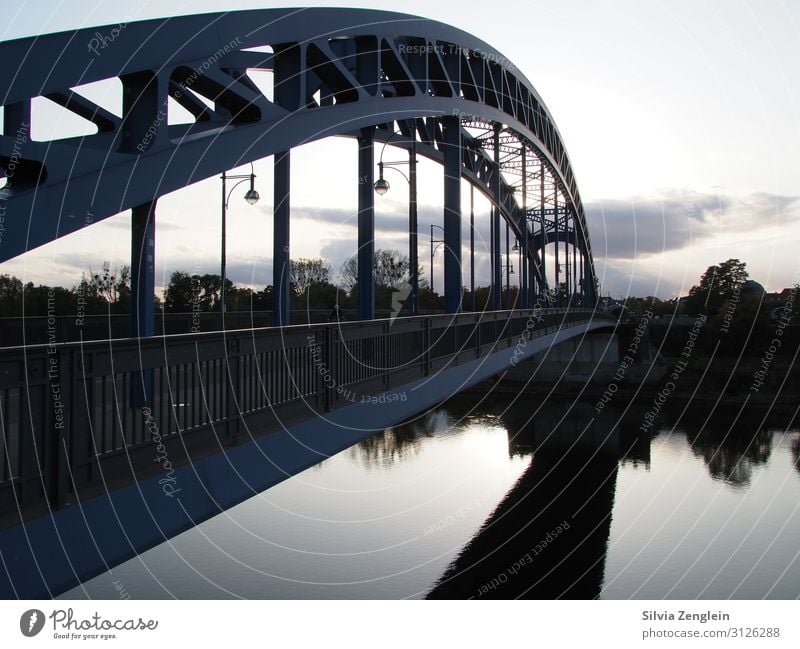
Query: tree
[717,285]
[348,274]
[10,296]
[305,272]
[207,288]
[391,270]
[113,289]
[179,295]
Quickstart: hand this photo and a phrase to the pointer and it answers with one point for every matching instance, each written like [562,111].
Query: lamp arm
[228,198]
[389,139]
[391,166]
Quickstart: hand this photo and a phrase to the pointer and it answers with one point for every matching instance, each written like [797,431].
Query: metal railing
[41,329]
[80,418]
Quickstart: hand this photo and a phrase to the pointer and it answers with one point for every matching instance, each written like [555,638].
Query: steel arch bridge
[257,84]
[373,75]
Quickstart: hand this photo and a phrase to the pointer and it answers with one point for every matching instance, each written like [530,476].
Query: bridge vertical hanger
[472,245]
[281,309]
[588,278]
[567,268]
[143,288]
[555,239]
[452,214]
[143,274]
[497,278]
[525,270]
[142,101]
[413,246]
[287,90]
[575,285]
[509,304]
[366,225]
[542,229]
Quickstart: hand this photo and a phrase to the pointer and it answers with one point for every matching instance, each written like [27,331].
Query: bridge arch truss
[330,72]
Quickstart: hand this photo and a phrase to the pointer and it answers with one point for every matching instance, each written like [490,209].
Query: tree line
[311,286]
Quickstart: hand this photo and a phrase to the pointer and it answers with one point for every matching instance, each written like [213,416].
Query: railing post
[328,355]
[385,355]
[34,430]
[60,435]
[477,336]
[233,391]
[80,451]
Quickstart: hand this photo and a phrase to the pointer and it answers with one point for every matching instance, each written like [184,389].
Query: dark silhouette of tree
[717,285]
[38,300]
[391,268]
[11,291]
[391,274]
[104,290]
[305,272]
[731,454]
[179,293]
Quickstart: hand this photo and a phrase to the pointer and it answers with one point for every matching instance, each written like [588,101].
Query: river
[534,497]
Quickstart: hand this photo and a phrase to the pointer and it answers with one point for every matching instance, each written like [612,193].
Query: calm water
[527,499]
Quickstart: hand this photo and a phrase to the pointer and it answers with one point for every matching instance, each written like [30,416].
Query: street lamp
[382,186]
[251,196]
[438,243]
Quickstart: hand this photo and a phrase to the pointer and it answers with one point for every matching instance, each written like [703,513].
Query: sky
[681,119]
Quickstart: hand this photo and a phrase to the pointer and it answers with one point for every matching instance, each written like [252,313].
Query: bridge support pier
[452,214]
[366,225]
[280,257]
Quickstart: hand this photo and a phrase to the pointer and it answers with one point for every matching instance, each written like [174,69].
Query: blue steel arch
[336,72]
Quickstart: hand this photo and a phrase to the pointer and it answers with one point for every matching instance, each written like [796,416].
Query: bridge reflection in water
[547,538]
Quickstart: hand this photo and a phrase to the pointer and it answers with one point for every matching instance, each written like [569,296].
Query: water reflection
[732,443]
[547,539]
[404,442]
[500,498]
[732,456]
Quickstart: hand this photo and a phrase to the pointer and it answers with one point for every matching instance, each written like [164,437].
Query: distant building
[751,288]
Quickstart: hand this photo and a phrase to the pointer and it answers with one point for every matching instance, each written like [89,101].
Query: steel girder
[334,71]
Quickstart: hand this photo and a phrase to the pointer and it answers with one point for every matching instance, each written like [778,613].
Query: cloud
[644,226]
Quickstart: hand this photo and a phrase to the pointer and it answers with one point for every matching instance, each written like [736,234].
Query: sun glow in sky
[682,121]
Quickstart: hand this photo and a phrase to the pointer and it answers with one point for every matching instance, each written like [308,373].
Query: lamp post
[509,272]
[566,297]
[251,196]
[438,243]
[381,187]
